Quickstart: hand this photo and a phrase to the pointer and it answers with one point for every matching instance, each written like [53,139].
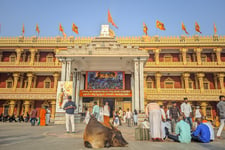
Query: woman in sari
[42,116]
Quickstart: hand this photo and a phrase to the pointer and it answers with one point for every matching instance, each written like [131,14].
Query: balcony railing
[29,64]
[25,90]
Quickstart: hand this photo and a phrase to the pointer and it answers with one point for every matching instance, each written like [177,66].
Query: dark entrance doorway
[111,102]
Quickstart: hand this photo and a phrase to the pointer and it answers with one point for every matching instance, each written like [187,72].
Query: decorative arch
[149,82]
[9,83]
[206,83]
[168,58]
[49,57]
[47,83]
[12,57]
[169,83]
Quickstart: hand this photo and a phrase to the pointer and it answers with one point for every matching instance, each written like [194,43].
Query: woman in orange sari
[42,116]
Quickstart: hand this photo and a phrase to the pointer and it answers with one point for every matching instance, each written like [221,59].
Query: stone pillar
[56,59]
[184,55]
[203,108]
[35,81]
[15,80]
[157,52]
[53,104]
[200,79]
[186,83]
[63,73]
[136,84]
[221,80]
[157,79]
[218,55]
[38,57]
[12,104]
[132,90]
[26,107]
[68,69]
[18,55]
[215,80]
[30,76]
[56,78]
[141,70]
[32,53]
[82,81]
[74,86]
[18,108]
[198,53]
[77,97]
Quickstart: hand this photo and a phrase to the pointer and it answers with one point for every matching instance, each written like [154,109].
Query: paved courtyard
[22,136]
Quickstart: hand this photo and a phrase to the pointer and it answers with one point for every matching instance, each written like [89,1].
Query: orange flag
[215,30]
[23,30]
[110,20]
[197,28]
[37,29]
[61,28]
[145,29]
[64,35]
[160,25]
[184,28]
[75,28]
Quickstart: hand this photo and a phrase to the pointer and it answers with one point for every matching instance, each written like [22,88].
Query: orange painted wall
[210,78]
[223,57]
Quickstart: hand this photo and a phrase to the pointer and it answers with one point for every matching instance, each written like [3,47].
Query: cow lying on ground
[96,135]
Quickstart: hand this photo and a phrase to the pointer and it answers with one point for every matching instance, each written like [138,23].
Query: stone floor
[22,136]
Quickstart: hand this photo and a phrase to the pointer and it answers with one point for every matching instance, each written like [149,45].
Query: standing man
[48,113]
[70,107]
[33,116]
[221,108]
[95,110]
[174,113]
[106,113]
[186,111]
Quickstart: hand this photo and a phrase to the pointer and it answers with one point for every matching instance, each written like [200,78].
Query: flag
[215,30]
[37,29]
[23,30]
[111,33]
[75,28]
[64,35]
[110,20]
[61,28]
[160,25]
[197,28]
[184,28]
[145,28]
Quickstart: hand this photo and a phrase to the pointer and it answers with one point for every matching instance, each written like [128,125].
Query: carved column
[141,76]
[184,55]
[157,79]
[56,78]
[18,108]
[157,51]
[18,55]
[68,69]
[203,108]
[15,80]
[53,103]
[12,104]
[136,84]
[26,107]
[186,78]
[200,79]
[32,52]
[215,80]
[35,81]
[63,73]
[56,59]
[221,80]
[30,76]
[218,55]
[198,53]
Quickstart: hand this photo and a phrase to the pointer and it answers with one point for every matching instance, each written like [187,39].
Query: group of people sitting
[13,118]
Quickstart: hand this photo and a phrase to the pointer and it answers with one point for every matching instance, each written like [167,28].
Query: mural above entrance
[105,80]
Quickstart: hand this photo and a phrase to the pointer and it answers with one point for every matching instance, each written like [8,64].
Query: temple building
[127,72]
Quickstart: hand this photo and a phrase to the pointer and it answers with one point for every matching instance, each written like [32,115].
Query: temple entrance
[111,102]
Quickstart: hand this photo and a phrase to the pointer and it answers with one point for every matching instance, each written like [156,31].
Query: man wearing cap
[70,107]
[186,111]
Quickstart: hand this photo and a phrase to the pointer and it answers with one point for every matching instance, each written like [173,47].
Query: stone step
[60,118]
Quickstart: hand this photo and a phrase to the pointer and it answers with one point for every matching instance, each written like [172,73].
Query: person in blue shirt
[183,131]
[202,133]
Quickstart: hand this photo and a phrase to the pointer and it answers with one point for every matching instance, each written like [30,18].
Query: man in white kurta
[155,118]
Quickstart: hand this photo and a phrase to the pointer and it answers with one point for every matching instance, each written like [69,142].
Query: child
[116,121]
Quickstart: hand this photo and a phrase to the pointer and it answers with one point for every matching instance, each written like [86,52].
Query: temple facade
[163,69]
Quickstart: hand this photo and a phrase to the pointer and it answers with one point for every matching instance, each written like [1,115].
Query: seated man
[202,133]
[182,130]
[209,124]
[145,124]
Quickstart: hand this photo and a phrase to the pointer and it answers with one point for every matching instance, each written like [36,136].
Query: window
[47,83]
[9,83]
[188,58]
[168,58]
[149,82]
[169,83]
[190,84]
[204,58]
[205,84]
[49,57]
[12,58]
